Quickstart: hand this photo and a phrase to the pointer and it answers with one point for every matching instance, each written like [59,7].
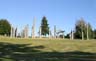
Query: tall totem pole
[54,31]
[33,28]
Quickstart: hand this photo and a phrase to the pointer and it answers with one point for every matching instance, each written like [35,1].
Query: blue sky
[62,13]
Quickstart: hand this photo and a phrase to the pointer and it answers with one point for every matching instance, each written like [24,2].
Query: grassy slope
[47,49]
[59,45]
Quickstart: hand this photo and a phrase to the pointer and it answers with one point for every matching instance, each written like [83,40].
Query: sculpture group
[25,31]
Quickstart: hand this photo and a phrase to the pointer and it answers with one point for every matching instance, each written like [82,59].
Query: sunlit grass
[59,45]
[46,49]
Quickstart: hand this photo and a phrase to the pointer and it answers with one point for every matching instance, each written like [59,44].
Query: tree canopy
[44,26]
[82,26]
[5,27]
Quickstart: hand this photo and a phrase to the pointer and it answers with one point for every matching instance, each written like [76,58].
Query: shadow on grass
[22,52]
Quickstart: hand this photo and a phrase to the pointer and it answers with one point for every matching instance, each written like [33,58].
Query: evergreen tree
[44,27]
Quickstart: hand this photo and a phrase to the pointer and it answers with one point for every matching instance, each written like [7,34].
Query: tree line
[82,29]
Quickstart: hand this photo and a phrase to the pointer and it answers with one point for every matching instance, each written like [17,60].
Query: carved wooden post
[54,31]
[33,28]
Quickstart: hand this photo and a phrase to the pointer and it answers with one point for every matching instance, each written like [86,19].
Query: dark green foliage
[81,26]
[67,36]
[94,34]
[44,27]
[5,27]
[90,31]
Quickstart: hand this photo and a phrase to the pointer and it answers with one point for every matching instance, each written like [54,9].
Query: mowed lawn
[12,49]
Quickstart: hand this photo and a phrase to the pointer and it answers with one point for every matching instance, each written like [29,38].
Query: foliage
[90,31]
[44,27]
[5,27]
[67,36]
[94,34]
[81,26]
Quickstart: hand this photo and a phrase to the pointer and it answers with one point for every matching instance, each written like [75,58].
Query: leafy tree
[94,34]
[5,27]
[81,26]
[90,31]
[44,27]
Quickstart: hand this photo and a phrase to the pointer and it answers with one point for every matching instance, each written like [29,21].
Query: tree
[90,31]
[81,29]
[94,34]
[44,27]
[5,27]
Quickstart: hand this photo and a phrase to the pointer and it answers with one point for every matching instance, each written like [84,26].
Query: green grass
[12,49]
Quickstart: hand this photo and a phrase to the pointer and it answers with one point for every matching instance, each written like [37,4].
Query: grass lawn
[12,49]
